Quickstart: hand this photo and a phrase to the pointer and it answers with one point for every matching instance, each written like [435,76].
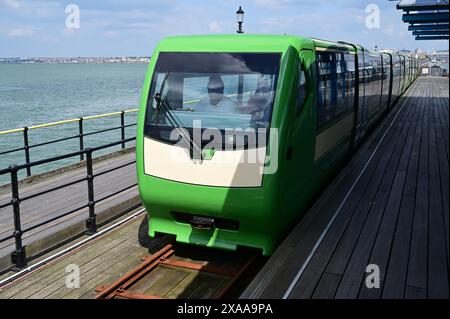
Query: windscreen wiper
[162,105]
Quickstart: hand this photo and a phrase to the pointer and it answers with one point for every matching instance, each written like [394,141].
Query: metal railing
[19,257]
[81,134]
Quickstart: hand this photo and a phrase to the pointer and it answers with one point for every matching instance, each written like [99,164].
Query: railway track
[169,274]
[159,268]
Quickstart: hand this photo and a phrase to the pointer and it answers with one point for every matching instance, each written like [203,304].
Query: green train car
[237,133]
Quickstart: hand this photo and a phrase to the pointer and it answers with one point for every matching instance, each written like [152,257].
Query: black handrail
[80,136]
[19,257]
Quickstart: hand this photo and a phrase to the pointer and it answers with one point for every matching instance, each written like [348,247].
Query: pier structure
[385,214]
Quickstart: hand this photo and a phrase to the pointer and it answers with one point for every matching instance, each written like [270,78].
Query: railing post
[80,134]
[18,256]
[91,223]
[26,147]
[122,127]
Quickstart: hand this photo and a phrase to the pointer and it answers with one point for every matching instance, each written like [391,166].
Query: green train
[237,133]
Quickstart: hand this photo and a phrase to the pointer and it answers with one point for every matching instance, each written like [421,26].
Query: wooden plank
[372,205]
[418,252]
[320,260]
[59,180]
[103,262]
[149,281]
[382,247]
[387,201]
[62,223]
[396,257]
[372,176]
[210,285]
[403,191]
[441,134]
[63,201]
[327,286]
[87,291]
[441,110]
[88,267]
[387,205]
[170,279]
[59,202]
[394,282]
[443,94]
[415,293]
[186,287]
[54,280]
[437,256]
[73,196]
[46,275]
[283,265]
[355,271]
[68,176]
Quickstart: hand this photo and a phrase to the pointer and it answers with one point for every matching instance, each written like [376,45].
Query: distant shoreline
[76,60]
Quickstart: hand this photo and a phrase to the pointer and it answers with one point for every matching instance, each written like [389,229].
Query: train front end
[208,140]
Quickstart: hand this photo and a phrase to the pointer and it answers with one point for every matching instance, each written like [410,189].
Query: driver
[259,104]
[216,101]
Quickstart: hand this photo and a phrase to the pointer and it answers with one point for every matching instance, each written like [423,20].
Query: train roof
[253,43]
[230,43]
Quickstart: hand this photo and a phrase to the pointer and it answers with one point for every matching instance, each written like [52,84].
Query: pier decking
[53,204]
[100,262]
[118,256]
[388,207]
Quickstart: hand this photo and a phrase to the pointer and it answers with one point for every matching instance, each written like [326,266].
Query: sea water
[32,94]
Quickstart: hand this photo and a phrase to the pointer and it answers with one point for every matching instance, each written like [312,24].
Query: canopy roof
[427,19]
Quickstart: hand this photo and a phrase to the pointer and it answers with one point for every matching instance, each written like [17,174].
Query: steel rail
[80,136]
[52,141]
[12,150]
[135,273]
[90,117]
[33,127]
[19,255]
[122,287]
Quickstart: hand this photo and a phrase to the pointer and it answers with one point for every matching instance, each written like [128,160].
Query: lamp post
[240,19]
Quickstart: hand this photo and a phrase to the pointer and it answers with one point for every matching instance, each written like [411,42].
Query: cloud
[133,27]
[111,34]
[214,26]
[271,4]
[12,4]
[21,32]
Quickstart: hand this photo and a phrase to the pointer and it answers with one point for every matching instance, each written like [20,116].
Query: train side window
[342,84]
[302,91]
[324,88]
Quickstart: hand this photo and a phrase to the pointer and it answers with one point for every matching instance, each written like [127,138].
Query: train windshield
[223,91]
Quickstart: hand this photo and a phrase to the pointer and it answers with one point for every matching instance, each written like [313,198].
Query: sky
[38,28]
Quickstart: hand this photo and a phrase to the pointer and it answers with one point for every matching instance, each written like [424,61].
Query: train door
[408,71]
[335,106]
[388,78]
[298,180]
[403,75]
[361,117]
[399,75]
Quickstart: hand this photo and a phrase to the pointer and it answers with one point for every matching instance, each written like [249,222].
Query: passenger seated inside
[216,101]
[259,104]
